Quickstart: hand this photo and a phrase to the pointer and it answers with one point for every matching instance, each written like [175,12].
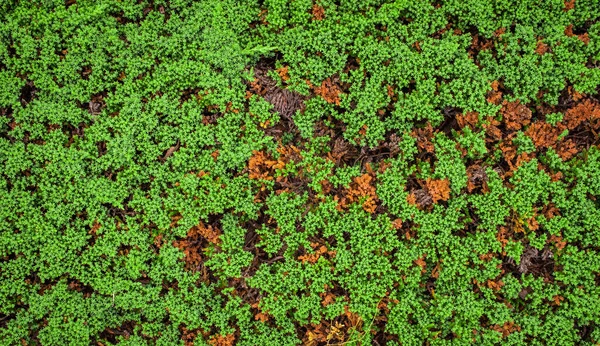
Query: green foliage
[131,134]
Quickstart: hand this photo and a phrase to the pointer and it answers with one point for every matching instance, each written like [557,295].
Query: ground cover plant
[285,172]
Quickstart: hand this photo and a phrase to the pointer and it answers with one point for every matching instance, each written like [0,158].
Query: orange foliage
[261,166]
[492,130]
[557,299]
[541,48]
[424,137]
[569,31]
[261,316]
[543,134]
[328,298]
[318,12]
[421,263]
[495,96]
[314,257]
[283,73]
[569,5]
[192,246]
[567,149]
[515,115]
[496,286]
[468,119]
[506,329]
[360,188]
[439,189]
[397,224]
[220,340]
[558,241]
[329,91]
[585,110]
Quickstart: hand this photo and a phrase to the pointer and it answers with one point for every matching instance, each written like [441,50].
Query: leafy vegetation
[315,172]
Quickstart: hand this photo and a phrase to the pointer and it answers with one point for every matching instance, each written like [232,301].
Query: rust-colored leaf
[543,134]
[558,241]
[424,136]
[260,166]
[439,189]
[283,73]
[569,5]
[220,340]
[318,12]
[468,119]
[329,91]
[421,263]
[362,187]
[586,110]
[506,329]
[397,224]
[567,149]
[515,115]
[541,48]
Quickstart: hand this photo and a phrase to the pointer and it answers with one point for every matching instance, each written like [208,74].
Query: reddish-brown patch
[220,340]
[421,263]
[439,189]
[478,43]
[585,38]
[569,5]
[412,200]
[314,257]
[476,177]
[506,329]
[188,336]
[315,335]
[435,273]
[569,31]
[318,12]
[494,96]
[260,166]
[558,241]
[504,233]
[261,316]
[533,224]
[556,176]
[95,227]
[499,32]
[328,298]
[329,91]
[494,285]
[424,136]
[468,119]
[515,115]
[541,48]
[492,130]
[361,188]
[390,91]
[283,73]
[397,224]
[543,134]
[192,244]
[158,241]
[417,46]
[566,150]
[557,299]
[524,158]
[585,110]
[509,151]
